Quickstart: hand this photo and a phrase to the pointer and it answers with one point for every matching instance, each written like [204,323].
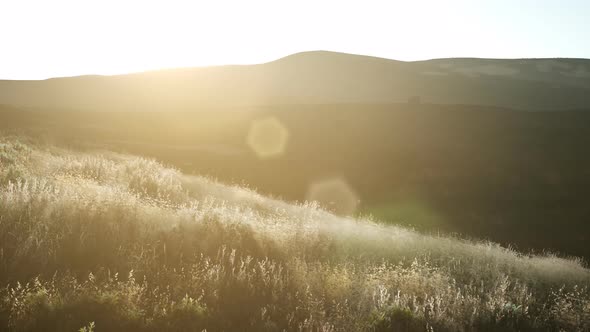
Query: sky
[42,39]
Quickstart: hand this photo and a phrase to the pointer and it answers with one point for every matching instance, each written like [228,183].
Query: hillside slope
[319,77]
[123,243]
[482,172]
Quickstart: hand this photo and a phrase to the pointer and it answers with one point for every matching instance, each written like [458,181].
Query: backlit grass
[109,242]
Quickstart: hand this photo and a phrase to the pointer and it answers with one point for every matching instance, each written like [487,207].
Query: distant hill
[318,78]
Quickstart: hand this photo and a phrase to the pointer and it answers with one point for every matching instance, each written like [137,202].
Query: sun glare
[65,37]
[294,165]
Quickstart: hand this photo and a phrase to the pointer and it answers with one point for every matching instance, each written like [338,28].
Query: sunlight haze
[294,165]
[42,39]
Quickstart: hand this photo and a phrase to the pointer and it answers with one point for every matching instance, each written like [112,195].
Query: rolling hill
[479,171]
[319,77]
[92,236]
[116,242]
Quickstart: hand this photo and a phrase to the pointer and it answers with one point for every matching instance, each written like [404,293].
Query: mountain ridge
[294,55]
[317,77]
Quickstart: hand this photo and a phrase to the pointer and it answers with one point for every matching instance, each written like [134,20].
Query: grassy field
[104,241]
[515,178]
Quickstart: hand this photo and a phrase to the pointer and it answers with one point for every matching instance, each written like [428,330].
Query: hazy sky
[41,39]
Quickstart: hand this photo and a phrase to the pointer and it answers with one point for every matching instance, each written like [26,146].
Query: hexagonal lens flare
[334,194]
[268,137]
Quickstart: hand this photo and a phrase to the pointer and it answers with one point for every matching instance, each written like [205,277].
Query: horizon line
[139,72]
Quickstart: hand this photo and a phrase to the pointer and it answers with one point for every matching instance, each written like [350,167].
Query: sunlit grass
[118,243]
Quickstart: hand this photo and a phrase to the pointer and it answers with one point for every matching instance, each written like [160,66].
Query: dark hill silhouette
[319,77]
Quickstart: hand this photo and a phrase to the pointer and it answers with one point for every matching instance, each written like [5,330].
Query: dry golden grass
[108,242]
